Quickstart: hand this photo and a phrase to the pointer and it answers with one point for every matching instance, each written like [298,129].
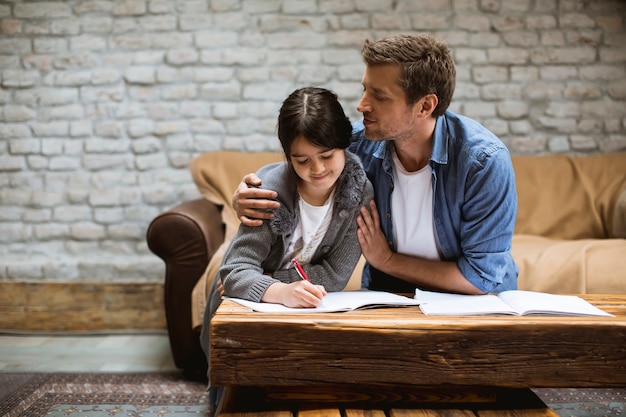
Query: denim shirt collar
[440,142]
[382,151]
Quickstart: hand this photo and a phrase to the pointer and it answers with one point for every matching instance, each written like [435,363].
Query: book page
[336,302]
[462,305]
[530,302]
[515,302]
[429,296]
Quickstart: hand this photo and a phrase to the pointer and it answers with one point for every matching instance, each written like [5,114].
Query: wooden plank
[255,414]
[81,306]
[400,346]
[317,410]
[350,412]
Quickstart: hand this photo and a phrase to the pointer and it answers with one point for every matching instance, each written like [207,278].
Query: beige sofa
[571,223]
[569,238]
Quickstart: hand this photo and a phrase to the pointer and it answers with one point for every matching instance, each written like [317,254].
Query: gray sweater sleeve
[242,272]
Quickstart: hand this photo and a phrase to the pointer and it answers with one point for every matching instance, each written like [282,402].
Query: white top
[412,205]
[310,230]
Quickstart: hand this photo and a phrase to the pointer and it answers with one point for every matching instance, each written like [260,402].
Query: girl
[321,187]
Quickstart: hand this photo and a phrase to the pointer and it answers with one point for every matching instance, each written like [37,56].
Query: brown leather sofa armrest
[185,237]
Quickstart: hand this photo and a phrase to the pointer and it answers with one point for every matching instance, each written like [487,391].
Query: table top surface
[401,345]
[412,317]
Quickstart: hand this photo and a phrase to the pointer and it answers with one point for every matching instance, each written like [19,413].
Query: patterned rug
[588,402]
[96,395]
[170,394]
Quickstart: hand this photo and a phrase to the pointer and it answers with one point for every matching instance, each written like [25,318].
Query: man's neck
[414,152]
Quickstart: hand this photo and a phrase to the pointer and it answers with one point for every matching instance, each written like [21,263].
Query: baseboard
[81,306]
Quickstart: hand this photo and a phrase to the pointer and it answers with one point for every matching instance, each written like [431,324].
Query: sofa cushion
[587,266]
[568,197]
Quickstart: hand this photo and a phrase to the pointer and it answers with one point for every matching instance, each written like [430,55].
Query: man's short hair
[426,63]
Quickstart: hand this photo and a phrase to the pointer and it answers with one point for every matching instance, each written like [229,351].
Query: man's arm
[436,275]
[253,204]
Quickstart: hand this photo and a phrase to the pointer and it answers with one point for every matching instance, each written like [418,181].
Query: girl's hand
[299,294]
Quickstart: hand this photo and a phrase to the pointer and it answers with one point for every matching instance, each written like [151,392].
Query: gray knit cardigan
[258,250]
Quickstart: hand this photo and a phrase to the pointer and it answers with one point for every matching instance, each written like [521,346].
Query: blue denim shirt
[474,202]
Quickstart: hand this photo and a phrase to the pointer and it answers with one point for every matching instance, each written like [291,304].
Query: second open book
[515,302]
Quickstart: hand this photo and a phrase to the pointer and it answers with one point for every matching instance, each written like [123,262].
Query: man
[445,198]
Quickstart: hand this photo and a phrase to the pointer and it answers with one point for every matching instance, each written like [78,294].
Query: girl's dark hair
[316,114]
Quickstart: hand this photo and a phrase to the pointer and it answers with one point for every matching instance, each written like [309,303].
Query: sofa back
[217,175]
[560,196]
[571,197]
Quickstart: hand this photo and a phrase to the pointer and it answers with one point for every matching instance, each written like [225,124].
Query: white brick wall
[103,103]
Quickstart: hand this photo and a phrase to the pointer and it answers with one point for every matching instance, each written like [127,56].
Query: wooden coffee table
[406,357]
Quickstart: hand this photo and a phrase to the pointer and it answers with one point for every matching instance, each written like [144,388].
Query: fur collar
[348,196]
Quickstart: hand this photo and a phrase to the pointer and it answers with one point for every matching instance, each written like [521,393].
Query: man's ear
[426,105]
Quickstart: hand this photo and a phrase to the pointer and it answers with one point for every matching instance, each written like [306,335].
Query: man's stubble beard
[374,136]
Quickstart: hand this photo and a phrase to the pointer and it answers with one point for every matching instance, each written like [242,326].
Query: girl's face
[318,168]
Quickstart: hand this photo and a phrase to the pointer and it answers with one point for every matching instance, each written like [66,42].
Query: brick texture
[104,103]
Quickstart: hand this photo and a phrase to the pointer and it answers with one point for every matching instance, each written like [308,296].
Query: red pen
[299,269]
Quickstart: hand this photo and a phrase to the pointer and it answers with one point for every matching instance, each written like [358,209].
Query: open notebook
[515,302]
[337,301]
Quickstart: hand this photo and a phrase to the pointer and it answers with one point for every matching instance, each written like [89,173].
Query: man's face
[386,115]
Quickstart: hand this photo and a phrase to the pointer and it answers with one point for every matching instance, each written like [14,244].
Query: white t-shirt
[309,232]
[412,205]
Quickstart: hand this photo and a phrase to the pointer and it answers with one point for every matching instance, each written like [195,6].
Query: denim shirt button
[389,215]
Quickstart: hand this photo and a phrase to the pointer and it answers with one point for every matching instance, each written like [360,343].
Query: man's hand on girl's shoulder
[252,203]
